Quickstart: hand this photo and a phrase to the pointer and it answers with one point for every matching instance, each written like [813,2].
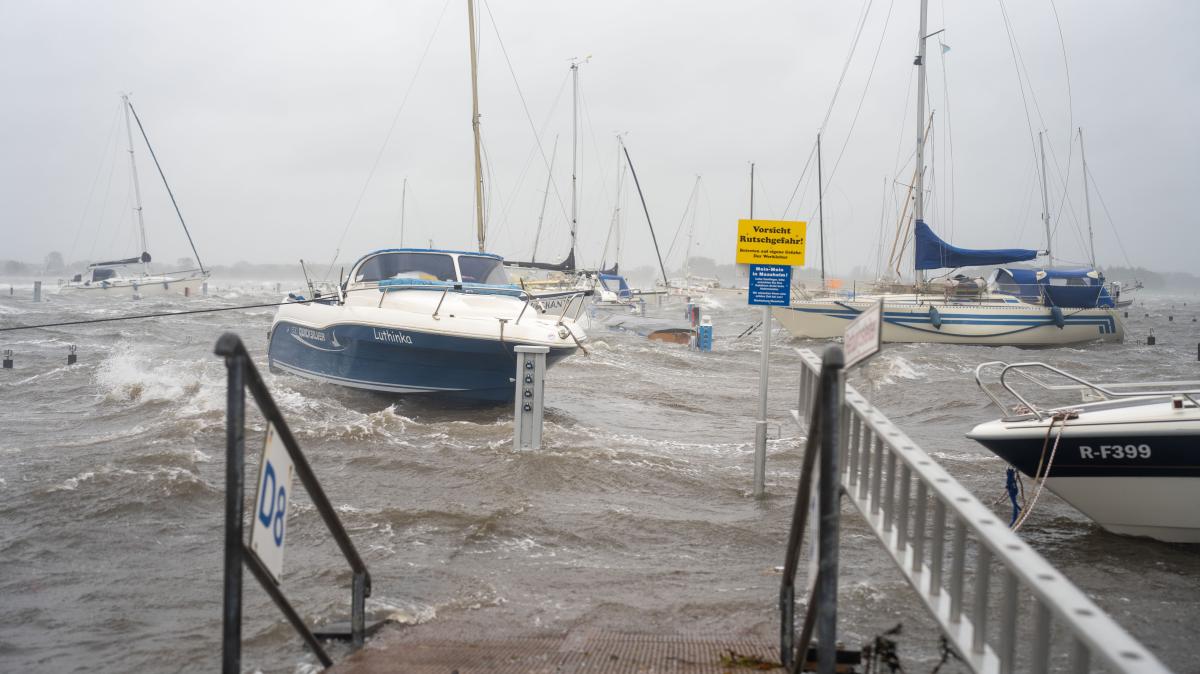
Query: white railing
[999,603]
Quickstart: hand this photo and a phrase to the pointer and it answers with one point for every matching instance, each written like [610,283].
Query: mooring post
[37,291]
[71,358]
[530,387]
[8,359]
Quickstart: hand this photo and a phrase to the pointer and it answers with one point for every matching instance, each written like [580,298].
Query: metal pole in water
[529,399]
[832,391]
[235,476]
[760,426]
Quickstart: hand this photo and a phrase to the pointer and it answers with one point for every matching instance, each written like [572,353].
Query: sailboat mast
[403,208]
[1087,203]
[821,208]
[574,146]
[617,213]
[687,256]
[545,195]
[475,126]
[919,206]
[137,189]
[1045,202]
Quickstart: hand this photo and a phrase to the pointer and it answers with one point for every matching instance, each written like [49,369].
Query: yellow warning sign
[771,242]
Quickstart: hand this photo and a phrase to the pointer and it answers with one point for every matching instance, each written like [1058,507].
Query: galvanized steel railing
[996,599]
[243,375]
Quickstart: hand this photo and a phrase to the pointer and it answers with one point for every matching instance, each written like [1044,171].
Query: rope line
[1058,416]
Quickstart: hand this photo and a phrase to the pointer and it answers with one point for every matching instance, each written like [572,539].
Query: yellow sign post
[779,242]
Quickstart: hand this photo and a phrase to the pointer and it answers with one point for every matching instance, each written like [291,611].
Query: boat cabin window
[424,266]
[103,274]
[482,269]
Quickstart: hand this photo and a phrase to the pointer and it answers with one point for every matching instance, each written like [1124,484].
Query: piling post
[71,357]
[7,359]
[1150,340]
[37,291]
[529,398]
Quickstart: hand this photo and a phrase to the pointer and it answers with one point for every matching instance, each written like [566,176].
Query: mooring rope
[1058,416]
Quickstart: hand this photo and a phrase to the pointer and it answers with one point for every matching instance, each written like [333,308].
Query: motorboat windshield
[406,265]
[479,269]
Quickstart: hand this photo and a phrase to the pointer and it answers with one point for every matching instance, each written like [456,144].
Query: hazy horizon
[268,119]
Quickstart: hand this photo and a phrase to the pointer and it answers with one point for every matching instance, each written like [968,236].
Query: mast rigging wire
[167,185]
[386,140]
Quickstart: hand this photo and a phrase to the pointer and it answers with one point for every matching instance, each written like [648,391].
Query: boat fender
[1057,314]
[935,317]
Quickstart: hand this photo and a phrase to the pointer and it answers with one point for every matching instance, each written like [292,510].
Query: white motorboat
[1129,459]
[419,321]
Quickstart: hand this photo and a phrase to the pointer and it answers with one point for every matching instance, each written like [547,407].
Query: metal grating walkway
[430,648]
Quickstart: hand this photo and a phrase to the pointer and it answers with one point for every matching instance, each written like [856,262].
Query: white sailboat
[1014,307]
[132,277]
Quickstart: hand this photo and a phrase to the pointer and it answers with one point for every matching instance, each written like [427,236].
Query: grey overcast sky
[268,118]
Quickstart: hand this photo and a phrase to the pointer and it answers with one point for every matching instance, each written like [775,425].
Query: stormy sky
[287,129]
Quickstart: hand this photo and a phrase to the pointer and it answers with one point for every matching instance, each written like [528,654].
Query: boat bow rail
[1183,389]
[935,531]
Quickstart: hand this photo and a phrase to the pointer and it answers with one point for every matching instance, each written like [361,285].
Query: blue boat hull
[397,361]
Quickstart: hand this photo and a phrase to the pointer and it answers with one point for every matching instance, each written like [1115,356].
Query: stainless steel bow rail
[1183,389]
[243,375]
[999,603]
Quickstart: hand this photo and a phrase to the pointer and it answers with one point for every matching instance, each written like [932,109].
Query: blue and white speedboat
[1127,458]
[420,321]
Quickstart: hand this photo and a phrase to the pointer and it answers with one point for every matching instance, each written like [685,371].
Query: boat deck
[436,648]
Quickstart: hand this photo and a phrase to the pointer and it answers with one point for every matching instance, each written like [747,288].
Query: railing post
[235,468]
[831,395]
[358,610]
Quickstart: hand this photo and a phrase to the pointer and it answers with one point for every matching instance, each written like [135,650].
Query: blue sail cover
[933,253]
[1066,288]
[622,289]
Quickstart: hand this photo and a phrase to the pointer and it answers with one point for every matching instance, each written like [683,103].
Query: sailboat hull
[998,324]
[399,361]
[191,286]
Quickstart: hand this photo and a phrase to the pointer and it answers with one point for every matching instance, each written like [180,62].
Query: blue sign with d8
[770,285]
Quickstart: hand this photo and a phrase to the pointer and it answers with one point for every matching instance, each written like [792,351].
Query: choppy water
[635,516]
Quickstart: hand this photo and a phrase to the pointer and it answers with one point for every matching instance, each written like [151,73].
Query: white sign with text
[269,527]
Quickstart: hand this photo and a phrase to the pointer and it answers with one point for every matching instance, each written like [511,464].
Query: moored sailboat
[966,310]
[123,278]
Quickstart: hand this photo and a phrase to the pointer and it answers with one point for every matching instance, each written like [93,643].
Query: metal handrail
[882,465]
[242,375]
[1105,390]
[821,614]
